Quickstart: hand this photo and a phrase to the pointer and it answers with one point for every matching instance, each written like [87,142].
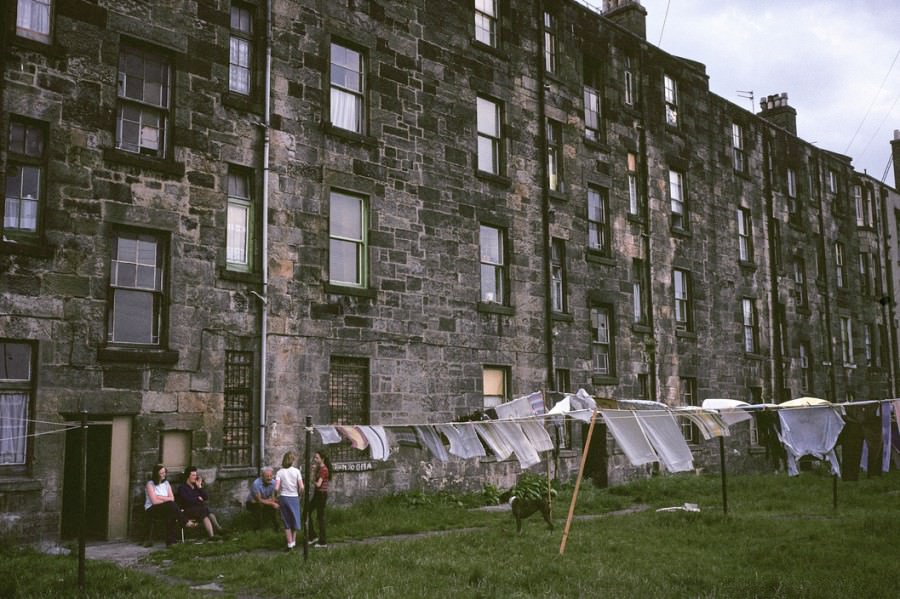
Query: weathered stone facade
[418,325]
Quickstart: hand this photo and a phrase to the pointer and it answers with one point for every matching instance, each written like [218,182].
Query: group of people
[274,497]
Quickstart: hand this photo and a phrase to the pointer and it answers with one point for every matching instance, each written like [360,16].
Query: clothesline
[32,435]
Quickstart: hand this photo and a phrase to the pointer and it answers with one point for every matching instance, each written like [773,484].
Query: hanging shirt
[430,439]
[810,431]
[377,441]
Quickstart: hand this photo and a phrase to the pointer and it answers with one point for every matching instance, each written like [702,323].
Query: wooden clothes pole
[584,453]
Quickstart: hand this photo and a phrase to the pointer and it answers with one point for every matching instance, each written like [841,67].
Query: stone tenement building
[222,217]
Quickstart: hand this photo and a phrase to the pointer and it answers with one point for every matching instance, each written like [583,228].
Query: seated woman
[194,500]
[160,503]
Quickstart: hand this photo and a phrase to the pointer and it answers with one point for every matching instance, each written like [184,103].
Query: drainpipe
[644,198]
[775,314]
[887,298]
[264,242]
[545,198]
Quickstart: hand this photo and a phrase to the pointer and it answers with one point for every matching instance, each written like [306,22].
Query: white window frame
[25,178]
[348,239]
[745,235]
[859,206]
[671,100]
[628,83]
[558,297]
[592,113]
[839,264]
[602,340]
[34,19]
[739,157]
[634,201]
[136,279]
[847,341]
[486,22]
[551,52]
[240,222]
[677,200]
[492,249]
[750,322]
[348,88]
[599,231]
[489,135]
[144,98]
[681,293]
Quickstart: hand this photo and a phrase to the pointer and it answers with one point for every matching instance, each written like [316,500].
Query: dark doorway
[99,444]
[595,466]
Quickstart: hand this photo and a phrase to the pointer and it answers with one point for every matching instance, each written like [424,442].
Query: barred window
[238,411]
[348,399]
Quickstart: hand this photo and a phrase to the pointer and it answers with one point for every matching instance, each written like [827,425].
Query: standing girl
[322,466]
[290,484]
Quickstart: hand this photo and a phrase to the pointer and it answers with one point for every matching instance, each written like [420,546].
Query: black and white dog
[522,507]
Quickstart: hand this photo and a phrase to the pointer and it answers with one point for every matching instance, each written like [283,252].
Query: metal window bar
[348,400]
[238,411]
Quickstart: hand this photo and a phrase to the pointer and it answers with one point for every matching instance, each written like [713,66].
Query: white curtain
[344,110]
[13,427]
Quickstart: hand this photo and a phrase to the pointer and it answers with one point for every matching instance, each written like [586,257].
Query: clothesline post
[834,478]
[584,453]
[82,530]
[722,468]
[304,514]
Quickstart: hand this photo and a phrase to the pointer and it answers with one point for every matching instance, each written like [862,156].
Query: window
[677,199]
[639,289]
[486,22]
[681,283]
[755,399]
[875,273]
[792,192]
[688,393]
[493,265]
[558,296]
[643,385]
[175,449]
[348,240]
[598,220]
[348,399]
[800,280]
[563,379]
[347,89]
[238,410]
[751,326]
[745,235]
[635,205]
[16,406]
[601,341]
[239,229]
[846,340]
[33,20]
[805,371]
[592,107]
[831,181]
[868,336]
[143,105]
[495,382]
[550,49]
[865,279]
[629,82]
[739,158]
[671,98]
[136,279]
[554,156]
[859,206]
[488,136]
[26,167]
[839,264]
[239,76]
[869,195]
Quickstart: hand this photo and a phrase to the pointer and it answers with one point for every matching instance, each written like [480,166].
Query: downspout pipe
[545,199]
[264,241]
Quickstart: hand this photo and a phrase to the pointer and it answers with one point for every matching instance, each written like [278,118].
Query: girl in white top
[289,483]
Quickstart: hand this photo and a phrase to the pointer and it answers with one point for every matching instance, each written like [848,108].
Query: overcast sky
[832,57]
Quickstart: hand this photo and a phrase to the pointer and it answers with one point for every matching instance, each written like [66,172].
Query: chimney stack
[775,108]
[895,153]
[629,14]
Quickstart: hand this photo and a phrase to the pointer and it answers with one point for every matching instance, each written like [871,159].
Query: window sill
[637,327]
[678,231]
[596,144]
[559,196]
[33,248]
[246,103]
[350,136]
[492,308]
[597,257]
[637,219]
[334,289]
[742,173]
[562,317]
[51,49]
[747,265]
[160,165]
[239,276]
[493,178]
[604,379]
[850,365]
[137,355]
[687,335]
[10,483]
[493,50]
[754,356]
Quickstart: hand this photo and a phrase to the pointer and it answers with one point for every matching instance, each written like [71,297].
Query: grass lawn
[781,538]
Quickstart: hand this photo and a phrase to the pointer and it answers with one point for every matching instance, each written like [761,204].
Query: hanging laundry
[329,434]
[812,431]
[537,403]
[431,440]
[667,439]
[377,440]
[404,436]
[355,437]
[521,446]
[629,435]
[464,442]
[729,409]
[517,408]
[537,434]
[709,423]
[495,441]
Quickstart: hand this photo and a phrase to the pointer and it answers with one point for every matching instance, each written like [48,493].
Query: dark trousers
[317,506]
[264,514]
[170,514]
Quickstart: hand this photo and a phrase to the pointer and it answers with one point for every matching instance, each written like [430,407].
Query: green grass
[781,538]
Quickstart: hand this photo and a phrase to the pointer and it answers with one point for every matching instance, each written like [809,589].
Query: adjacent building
[228,216]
